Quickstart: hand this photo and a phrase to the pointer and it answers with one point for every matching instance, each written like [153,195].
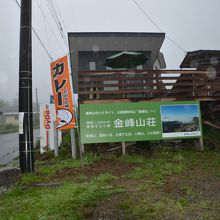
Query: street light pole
[26,150]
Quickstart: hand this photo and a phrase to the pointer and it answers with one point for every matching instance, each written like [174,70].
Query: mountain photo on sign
[180,120]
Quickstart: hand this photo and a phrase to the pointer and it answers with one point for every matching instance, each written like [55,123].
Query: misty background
[192,24]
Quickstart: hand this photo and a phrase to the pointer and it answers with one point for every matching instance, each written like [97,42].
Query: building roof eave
[117,41]
[192,58]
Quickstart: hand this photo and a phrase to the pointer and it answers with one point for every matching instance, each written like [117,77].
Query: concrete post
[199,144]
[123,148]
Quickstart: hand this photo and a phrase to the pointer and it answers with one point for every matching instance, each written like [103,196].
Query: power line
[38,37]
[60,14]
[51,58]
[16,1]
[61,27]
[53,12]
[157,26]
[40,5]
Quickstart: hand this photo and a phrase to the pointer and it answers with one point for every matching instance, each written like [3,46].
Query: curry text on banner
[62,92]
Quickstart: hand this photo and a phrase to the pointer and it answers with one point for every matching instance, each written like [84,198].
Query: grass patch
[149,208]
[157,168]
[44,169]
[173,186]
[105,178]
[59,165]
[90,158]
[158,179]
[56,164]
[164,207]
[134,158]
[27,179]
[64,202]
[137,173]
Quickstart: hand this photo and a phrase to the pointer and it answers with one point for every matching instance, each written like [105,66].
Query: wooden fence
[148,85]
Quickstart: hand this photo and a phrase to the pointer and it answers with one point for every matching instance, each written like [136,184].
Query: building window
[140,67]
[92,65]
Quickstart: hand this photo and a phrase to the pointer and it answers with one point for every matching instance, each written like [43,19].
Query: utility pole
[26,149]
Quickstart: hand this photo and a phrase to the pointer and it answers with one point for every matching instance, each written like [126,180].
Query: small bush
[9,128]
[211,137]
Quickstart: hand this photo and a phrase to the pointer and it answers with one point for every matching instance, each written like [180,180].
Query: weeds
[105,178]
[138,173]
[148,208]
[134,158]
[173,186]
[90,158]
[57,164]
[30,178]
[64,202]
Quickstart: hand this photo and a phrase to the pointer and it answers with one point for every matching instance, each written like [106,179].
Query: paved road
[9,146]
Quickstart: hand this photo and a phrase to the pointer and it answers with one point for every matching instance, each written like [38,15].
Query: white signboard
[21,122]
[47,119]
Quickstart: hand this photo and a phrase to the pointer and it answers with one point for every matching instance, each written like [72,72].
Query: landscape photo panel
[181,120]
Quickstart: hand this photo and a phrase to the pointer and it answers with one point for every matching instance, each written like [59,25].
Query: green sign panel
[118,122]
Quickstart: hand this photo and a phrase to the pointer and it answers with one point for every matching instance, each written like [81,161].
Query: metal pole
[73,143]
[56,148]
[123,148]
[26,150]
[37,104]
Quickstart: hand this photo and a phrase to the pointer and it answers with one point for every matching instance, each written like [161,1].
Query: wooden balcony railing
[148,85]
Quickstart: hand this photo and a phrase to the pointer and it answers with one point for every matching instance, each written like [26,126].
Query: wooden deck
[143,85]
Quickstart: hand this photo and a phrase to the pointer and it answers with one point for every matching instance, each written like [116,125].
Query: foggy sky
[193,24]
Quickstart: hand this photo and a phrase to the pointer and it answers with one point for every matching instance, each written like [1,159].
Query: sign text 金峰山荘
[119,122]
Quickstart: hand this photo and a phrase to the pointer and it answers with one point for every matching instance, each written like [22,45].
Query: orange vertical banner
[62,92]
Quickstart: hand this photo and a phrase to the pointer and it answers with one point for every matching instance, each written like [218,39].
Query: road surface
[9,146]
